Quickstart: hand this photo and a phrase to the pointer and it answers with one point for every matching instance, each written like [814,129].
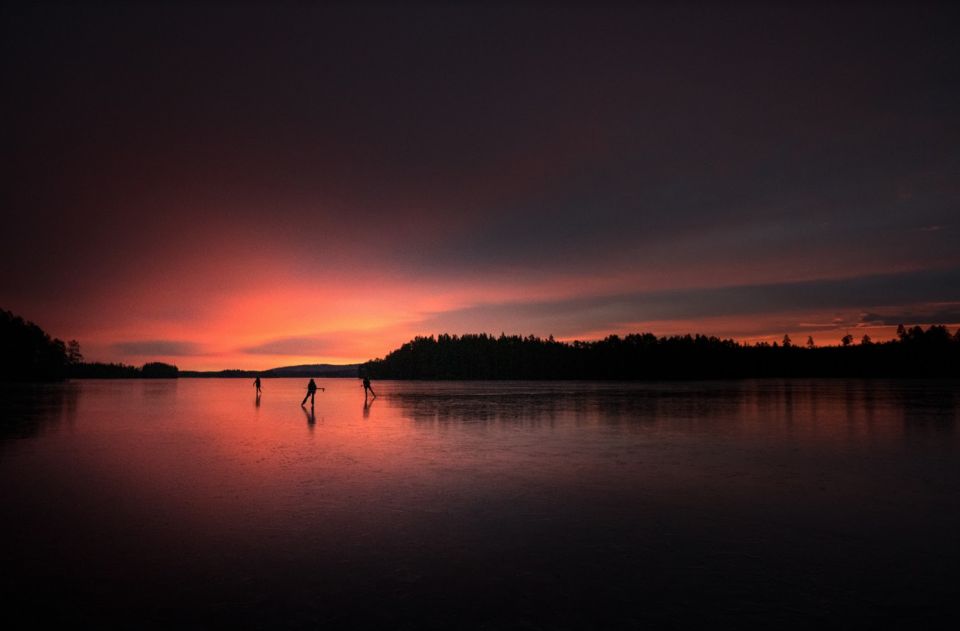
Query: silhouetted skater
[366,388]
[311,392]
[256,382]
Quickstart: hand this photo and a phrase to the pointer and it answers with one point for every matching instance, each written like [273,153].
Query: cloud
[290,346]
[573,316]
[936,314]
[157,347]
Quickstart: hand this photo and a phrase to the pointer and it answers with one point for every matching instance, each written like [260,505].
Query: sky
[246,185]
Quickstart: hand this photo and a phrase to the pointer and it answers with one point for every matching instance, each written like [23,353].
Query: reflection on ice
[481,505]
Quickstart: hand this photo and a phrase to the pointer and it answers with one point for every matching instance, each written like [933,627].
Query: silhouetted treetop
[27,353]
[159,370]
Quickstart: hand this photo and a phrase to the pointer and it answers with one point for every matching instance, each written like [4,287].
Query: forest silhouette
[916,352]
[28,353]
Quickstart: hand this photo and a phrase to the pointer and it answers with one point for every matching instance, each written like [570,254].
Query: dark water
[481,505]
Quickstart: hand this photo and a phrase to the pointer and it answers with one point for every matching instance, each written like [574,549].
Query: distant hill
[302,370]
[309,370]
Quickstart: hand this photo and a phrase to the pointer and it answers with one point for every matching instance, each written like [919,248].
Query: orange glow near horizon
[237,302]
[326,199]
[277,318]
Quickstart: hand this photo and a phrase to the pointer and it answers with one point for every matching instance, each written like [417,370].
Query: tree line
[916,352]
[100,370]
[28,353]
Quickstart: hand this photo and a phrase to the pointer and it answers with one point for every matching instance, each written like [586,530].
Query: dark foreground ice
[158,504]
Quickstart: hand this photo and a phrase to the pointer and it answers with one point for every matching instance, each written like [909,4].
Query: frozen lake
[481,505]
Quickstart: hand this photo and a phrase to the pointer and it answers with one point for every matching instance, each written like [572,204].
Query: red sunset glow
[237,197]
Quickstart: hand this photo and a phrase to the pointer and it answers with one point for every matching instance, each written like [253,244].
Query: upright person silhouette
[311,393]
[367,388]
[256,384]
